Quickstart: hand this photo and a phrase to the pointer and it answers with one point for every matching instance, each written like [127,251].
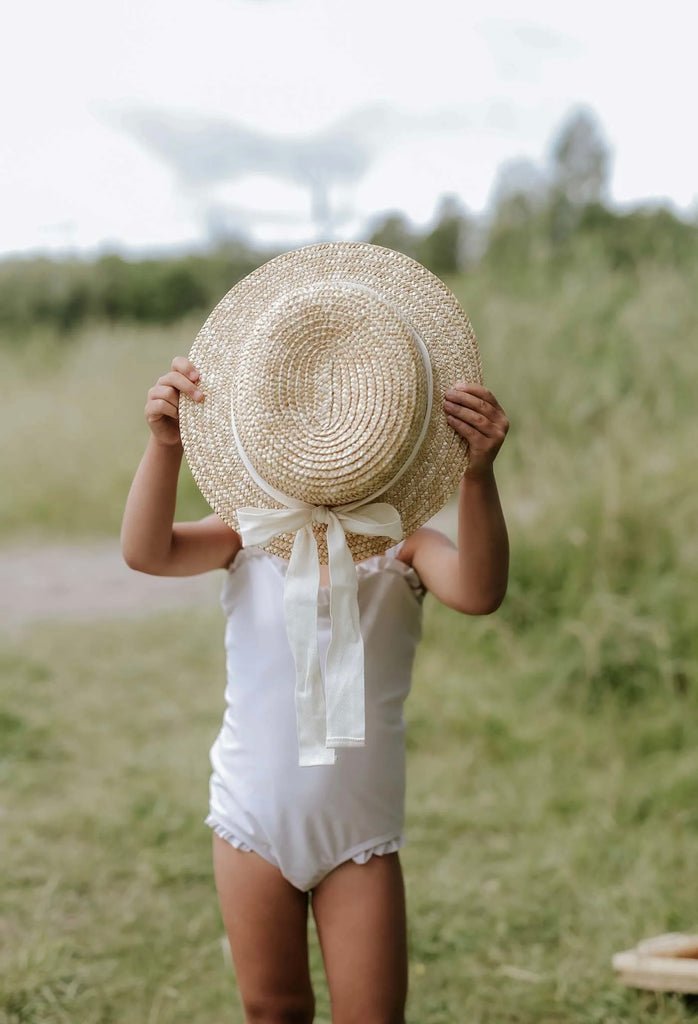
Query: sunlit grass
[597,378]
[552,754]
[73,415]
[542,837]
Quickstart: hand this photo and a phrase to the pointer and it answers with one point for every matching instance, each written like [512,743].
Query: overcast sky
[136,124]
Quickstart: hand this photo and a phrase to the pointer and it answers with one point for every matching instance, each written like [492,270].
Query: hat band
[332,715]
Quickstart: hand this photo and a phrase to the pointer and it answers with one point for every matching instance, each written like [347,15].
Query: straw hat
[323,374]
[329,363]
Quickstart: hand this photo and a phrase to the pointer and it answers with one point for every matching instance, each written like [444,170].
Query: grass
[597,379]
[542,837]
[552,758]
[75,413]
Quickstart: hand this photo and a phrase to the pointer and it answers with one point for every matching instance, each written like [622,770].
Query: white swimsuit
[308,820]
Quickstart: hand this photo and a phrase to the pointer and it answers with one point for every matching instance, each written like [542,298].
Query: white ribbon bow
[334,717]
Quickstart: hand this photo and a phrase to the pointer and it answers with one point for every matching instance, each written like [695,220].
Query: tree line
[541,222]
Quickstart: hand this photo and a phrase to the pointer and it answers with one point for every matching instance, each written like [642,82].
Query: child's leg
[266,921]
[360,914]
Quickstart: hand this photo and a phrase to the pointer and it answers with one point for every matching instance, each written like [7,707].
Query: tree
[443,249]
[580,159]
[520,185]
[394,231]
[518,201]
[580,165]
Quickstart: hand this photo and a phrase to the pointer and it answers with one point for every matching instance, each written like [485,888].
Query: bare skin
[362,925]
[359,909]
[266,921]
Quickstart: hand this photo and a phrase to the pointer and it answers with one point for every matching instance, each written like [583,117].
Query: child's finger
[493,413]
[479,390]
[184,366]
[462,428]
[479,443]
[181,383]
[165,392]
[485,425]
[465,399]
[159,407]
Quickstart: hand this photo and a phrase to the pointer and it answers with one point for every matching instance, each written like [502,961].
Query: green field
[553,764]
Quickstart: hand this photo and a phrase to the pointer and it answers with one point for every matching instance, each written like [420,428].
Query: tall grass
[598,377]
[73,418]
[597,478]
[540,839]
[553,767]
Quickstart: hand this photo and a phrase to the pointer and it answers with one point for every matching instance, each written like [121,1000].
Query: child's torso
[257,748]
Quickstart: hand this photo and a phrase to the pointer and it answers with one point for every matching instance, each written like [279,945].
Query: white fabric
[332,716]
[362,857]
[307,820]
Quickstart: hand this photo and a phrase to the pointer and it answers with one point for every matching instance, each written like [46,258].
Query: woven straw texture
[316,353]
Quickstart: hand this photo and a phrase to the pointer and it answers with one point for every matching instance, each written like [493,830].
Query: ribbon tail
[344,673]
[300,609]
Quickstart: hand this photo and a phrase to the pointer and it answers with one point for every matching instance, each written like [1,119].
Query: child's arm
[471,578]
[150,540]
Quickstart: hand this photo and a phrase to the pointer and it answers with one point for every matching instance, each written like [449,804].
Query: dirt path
[91,581]
[62,581]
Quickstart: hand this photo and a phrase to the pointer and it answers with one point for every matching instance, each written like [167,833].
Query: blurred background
[541,161]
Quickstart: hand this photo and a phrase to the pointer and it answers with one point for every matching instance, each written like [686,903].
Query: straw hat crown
[323,372]
[334,393]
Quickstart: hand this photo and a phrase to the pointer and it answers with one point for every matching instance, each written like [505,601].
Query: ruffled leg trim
[379,850]
[226,834]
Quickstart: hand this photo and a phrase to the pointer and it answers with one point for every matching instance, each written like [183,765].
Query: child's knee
[280,1010]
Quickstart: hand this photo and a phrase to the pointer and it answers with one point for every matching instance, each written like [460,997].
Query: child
[287,836]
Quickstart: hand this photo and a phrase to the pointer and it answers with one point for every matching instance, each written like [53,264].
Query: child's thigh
[360,915]
[266,920]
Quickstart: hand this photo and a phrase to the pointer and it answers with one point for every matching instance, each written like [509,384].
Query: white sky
[503,75]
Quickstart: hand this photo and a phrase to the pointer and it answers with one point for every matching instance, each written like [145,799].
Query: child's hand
[162,407]
[476,415]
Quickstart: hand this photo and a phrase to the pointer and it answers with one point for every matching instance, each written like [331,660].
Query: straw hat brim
[424,302]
